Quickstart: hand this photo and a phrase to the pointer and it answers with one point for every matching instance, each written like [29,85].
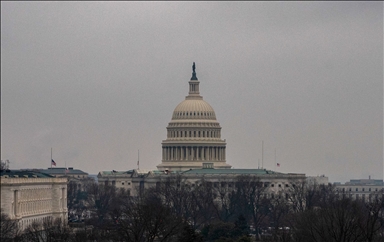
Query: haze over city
[98,81]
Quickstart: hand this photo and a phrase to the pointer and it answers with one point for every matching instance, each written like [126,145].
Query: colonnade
[37,201]
[193,134]
[194,153]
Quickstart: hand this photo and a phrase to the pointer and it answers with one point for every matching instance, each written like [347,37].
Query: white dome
[194,109]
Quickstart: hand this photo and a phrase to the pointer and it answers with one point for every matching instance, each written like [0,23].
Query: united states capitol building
[195,150]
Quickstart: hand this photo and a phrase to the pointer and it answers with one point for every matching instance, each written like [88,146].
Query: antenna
[262,154]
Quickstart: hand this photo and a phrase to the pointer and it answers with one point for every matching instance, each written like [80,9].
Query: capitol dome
[193,135]
[194,109]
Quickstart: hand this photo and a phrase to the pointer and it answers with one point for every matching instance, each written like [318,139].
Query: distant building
[319,180]
[31,196]
[67,172]
[362,189]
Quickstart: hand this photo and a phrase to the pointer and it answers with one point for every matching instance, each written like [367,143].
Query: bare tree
[340,220]
[146,218]
[251,200]
[48,230]
[9,228]
[100,198]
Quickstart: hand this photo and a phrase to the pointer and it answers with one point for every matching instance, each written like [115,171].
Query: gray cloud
[98,80]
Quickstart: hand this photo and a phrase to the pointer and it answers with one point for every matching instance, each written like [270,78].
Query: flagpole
[275,156]
[262,154]
[138,159]
[51,158]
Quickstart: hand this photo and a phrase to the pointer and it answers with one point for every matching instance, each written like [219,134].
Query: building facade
[195,151]
[31,196]
[193,135]
[361,189]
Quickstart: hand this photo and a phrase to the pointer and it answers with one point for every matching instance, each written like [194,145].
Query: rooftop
[24,174]
[63,170]
[231,171]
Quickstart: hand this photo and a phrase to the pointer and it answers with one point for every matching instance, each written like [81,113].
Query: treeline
[243,210]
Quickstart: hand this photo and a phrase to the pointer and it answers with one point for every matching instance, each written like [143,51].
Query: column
[197,153]
[209,153]
[216,153]
[168,154]
[203,153]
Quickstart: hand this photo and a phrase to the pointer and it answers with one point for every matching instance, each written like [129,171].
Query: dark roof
[25,173]
[230,171]
[61,170]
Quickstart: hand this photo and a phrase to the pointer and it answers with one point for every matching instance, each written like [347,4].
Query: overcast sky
[97,81]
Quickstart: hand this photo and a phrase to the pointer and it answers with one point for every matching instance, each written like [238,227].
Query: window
[272,185]
[279,185]
[357,189]
[122,183]
[286,185]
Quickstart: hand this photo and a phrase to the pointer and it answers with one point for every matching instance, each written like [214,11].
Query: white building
[362,189]
[193,135]
[194,150]
[31,196]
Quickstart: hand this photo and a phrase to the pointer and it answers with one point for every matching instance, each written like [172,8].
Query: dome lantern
[194,92]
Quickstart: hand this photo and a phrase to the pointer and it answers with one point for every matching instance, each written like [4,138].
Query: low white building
[362,189]
[136,180]
[32,196]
